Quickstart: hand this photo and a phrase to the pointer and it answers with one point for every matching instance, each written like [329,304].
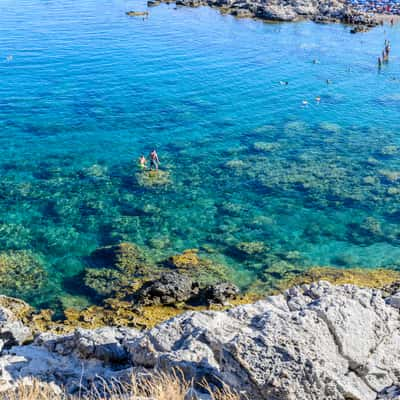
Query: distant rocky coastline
[288,10]
[314,341]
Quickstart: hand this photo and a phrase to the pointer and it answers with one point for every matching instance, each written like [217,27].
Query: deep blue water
[85,90]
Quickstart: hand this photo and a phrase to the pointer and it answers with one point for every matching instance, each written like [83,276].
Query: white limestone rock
[313,342]
[12,331]
[318,342]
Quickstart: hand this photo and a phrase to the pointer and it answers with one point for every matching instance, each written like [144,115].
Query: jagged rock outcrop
[170,288]
[174,288]
[316,341]
[220,293]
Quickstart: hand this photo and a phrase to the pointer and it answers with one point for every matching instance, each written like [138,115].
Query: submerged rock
[21,273]
[104,282]
[389,176]
[124,257]
[265,146]
[186,260]
[95,171]
[152,179]
[236,165]
[250,249]
[113,268]
[388,151]
[200,269]
[369,231]
[221,293]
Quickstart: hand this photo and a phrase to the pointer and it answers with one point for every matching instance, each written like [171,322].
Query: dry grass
[36,390]
[161,386]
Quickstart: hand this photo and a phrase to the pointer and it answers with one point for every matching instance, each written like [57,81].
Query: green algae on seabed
[373,278]
[252,220]
[22,274]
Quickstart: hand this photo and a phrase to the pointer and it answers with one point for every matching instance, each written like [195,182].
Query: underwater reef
[256,213]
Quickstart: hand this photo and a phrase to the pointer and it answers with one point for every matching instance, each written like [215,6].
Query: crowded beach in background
[384,7]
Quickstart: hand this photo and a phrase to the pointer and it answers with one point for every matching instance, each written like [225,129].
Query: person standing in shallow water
[154,161]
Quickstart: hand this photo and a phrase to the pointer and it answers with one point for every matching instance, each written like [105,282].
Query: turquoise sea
[85,90]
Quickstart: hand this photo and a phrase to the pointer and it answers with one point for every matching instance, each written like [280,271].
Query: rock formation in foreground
[316,341]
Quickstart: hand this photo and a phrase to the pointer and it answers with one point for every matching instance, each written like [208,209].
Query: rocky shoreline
[314,341]
[288,11]
[121,286]
[321,340]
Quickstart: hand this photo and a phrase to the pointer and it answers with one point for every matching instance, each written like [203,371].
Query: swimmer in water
[9,58]
[142,162]
[284,83]
[328,81]
[387,48]
[305,102]
[318,99]
[315,61]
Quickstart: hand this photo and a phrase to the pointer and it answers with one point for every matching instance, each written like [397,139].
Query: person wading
[143,162]
[154,161]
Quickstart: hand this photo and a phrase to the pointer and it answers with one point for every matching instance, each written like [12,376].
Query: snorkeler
[142,162]
[154,161]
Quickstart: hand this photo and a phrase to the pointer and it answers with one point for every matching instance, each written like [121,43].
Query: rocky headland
[314,341]
[288,10]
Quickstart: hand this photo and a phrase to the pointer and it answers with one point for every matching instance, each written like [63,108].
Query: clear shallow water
[89,89]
